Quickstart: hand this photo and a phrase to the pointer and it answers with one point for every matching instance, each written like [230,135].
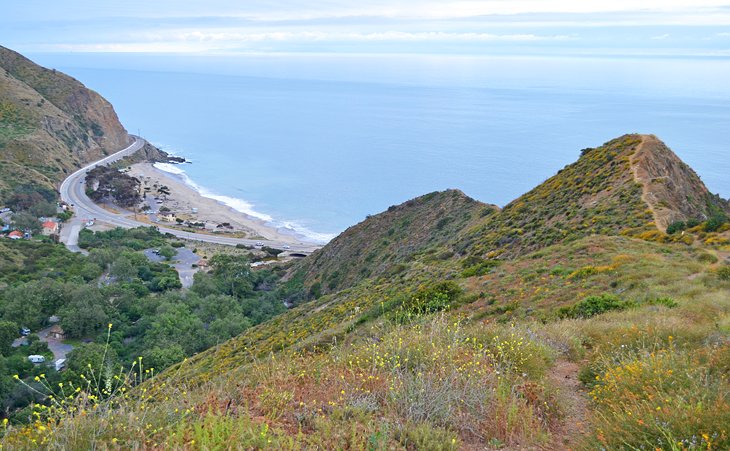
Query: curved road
[73,192]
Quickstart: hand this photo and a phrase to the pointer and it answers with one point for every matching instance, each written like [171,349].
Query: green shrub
[481,268]
[724,273]
[666,302]
[715,222]
[559,271]
[594,305]
[706,257]
[677,226]
[315,291]
[432,299]
[425,436]
[65,215]
[587,374]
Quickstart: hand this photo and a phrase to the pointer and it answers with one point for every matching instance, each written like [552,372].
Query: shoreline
[178,200]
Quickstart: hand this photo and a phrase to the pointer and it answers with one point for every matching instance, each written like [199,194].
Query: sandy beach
[179,202]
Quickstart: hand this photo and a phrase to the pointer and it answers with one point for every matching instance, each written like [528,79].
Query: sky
[694,28]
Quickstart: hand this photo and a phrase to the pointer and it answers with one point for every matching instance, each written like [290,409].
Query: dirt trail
[643,179]
[576,411]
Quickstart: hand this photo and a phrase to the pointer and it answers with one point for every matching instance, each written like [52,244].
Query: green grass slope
[386,243]
[595,195]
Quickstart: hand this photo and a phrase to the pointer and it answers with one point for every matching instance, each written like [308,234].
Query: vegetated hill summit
[446,323]
[50,124]
[633,184]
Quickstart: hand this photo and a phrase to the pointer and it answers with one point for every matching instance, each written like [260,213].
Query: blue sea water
[316,143]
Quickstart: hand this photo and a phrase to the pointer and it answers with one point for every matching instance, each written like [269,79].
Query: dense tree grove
[38,200]
[118,285]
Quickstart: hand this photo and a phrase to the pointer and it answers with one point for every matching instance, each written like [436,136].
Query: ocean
[316,143]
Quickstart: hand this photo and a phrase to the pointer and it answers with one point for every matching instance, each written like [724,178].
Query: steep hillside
[49,124]
[385,243]
[672,189]
[595,195]
[632,184]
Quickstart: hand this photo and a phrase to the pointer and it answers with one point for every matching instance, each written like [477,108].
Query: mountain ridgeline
[632,185]
[50,124]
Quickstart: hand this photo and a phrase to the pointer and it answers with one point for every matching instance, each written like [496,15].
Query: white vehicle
[286,246]
[60,364]
[35,358]
[259,244]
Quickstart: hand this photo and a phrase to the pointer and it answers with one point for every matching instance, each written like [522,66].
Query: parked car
[25,331]
[259,244]
[286,246]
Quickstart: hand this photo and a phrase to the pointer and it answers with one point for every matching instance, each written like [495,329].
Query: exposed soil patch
[574,424]
[670,188]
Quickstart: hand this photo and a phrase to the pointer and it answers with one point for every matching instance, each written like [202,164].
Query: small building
[15,235]
[169,217]
[35,358]
[50,227]
[57,333]
[53,319]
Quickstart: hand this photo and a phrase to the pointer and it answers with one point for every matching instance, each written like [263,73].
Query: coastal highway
[73,192]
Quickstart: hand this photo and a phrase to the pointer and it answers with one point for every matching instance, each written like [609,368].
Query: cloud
[396,36]
[200,42]
[267,10]
[367,25]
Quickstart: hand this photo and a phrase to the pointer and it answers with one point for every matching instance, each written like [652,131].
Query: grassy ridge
[388,243]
